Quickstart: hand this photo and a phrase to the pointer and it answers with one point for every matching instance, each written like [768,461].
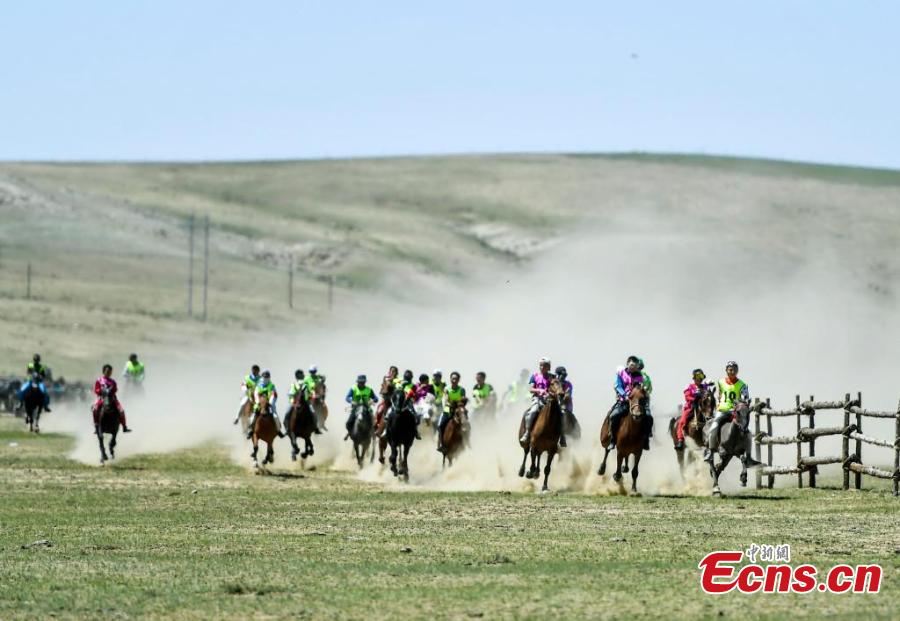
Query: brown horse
[702,409]
[109,424]
[545,434]
[456,433]
[265,429]
[387,389]
[629,439]
[317,402]
[300,422]
[245,414]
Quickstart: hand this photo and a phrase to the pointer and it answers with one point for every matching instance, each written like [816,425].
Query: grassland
[189,535]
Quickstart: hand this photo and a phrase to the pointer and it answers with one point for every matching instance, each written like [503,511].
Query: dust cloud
[681,295]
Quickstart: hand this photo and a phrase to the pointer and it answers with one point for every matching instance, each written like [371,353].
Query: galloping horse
[702,410]
[545,433]
[401,432]
[301,422]
[109,424]
[456,433]
[629,439]
[362,431]
[265,429]
[387,389]
[245,414]
[733,441]
[317,402]
[33,400]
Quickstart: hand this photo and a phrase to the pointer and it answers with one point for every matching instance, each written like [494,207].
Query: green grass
[190,535]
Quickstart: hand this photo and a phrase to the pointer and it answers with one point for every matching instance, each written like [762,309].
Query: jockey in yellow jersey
[732,390]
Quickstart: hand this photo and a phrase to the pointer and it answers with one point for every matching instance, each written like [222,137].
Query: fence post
[799,445]
[28,281]
[845,443]
[330,292]
[190,282]
[756,435]
[771,481]
[205,263]
[291,282]
[857,481]
[897,451]
[812,443]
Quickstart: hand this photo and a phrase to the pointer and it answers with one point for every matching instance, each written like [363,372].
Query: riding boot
[526,436]
[679,445]
[562,440]
[251,425]
[613,430]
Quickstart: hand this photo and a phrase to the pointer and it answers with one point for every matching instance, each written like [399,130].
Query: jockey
[516,390]
[265,388]
[731,391]
[538,384]
[311,379]
[454,395]
[627,378]
[36,368]
[392,374]
[482,393]
[360,393]
[437,381]
[248,389]
[407,384]
[422,389]
[106,386]
[134,370]
[562,375]
[691,392]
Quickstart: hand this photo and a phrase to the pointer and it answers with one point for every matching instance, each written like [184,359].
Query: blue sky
[247,80]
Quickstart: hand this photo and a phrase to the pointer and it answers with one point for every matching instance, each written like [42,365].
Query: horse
[301,422]
[400,433]
[732,442]
[702,410]
[428,411]
[387,389]
[265,429]
[33,402]
[245,413]
[629,439]
[571,426]
[545,434]
[362,431]
[456,433]
[109,424]
[317,402]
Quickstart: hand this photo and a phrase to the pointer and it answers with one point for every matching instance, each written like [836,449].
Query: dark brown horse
[456,433]
[265,429]
[629,439]
[702,410]
[109,424]
[33,402]
[387,389]
[362,432]
[545,433]
[317,403]
[301,423]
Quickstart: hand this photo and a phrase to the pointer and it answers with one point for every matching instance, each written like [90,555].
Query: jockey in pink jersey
[106,386]
[691,391]
[538,386]
[627,378]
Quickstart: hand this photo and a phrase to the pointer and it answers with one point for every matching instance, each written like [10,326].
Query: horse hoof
[602,470]
[716,491]
[293,456]
[624,469]
[521,472]
[617,477]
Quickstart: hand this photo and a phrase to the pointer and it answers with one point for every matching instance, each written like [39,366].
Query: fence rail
[809,463]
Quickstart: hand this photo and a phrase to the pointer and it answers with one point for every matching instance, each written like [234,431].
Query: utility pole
[205,263]
[28,281]
[190,282]
[291,282]
[330,292]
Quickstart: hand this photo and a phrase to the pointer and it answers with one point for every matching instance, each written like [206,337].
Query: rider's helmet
[37,358]
[107,367]
[266,374]
[544,360]
[255,369]
[407,375]
[455,374]
[423,378]
[361,379]
[313,369]
[731,364]
[132,357]
[437,373]
[699,372]
[298,374]
[561,372]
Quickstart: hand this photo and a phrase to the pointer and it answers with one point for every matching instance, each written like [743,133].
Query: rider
[407,384]
[482,393]
[563,376]
[360,393]
[454,395]
[423,388]
[265,388]
[134,370]
[627,378]
[437,381]
[538,385]
[516,390]
[248,389]
[43,373]
[106,385]
[691,392]
[732,390]
[310,382]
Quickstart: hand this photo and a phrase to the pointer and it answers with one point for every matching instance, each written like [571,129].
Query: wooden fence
[809,463]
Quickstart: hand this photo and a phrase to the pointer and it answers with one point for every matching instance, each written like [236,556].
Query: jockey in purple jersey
[627,378]
[538,386]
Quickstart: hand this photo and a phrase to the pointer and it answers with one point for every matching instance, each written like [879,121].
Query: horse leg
[532,467]
[254,452]
[405,469]
[617,475]
[524,459]
[602,470]
[270,453]
[679,453]
[550,457]
[625,464]
[743,471]
[295,450]
[103,456]
[393,459]
[312,448]
[112,446]
[634,471]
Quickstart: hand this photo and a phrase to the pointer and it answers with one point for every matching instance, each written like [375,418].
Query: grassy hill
[108,242]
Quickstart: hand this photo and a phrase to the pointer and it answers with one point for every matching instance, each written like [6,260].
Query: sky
[201,80]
